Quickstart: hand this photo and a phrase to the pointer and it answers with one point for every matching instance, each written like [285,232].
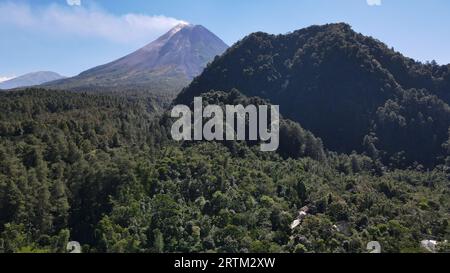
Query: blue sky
[69,36]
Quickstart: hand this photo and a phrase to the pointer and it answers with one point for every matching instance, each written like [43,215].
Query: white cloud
[90,22]
[5,78]
[74,2]
[374,2]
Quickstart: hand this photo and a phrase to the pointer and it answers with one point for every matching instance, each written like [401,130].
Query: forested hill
[352,91]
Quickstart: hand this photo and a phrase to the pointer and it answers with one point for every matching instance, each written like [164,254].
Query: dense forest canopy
[103,171]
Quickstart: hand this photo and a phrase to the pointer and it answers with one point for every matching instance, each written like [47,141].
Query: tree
[158,241]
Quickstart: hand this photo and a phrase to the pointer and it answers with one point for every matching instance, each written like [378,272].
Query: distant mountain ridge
[170,61]
[352,91]
[30,79]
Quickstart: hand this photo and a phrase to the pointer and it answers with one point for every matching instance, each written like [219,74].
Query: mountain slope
[31,79]
[348,89]
[170,62]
